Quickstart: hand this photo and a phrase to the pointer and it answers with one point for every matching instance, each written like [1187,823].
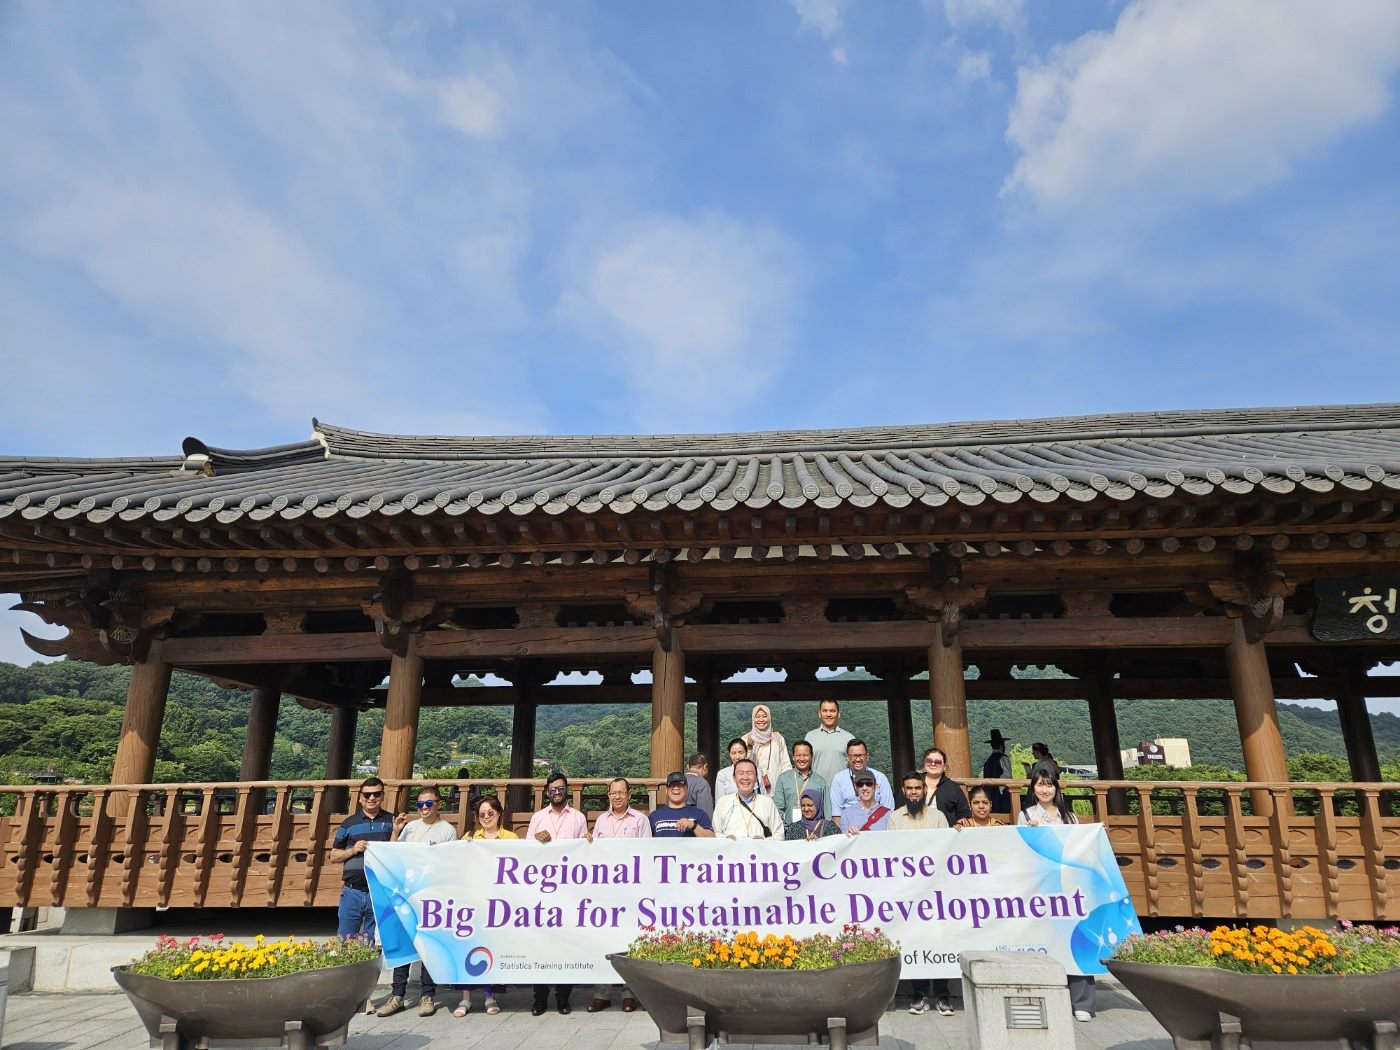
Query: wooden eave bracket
[1257,598]
[946,604]
[104,624]
[664,604]
[397,614]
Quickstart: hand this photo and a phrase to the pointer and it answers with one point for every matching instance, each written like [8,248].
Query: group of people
[823,786]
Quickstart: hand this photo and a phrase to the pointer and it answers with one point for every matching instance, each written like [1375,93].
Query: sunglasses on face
[371,794]
[555,791]
[933,762]
[427,803]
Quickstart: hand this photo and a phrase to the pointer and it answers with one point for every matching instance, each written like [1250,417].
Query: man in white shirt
[746,814]
[916,814]
[431,829]
[829,742]
[843,791]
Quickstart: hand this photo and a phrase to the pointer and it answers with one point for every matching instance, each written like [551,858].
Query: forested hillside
[65,716]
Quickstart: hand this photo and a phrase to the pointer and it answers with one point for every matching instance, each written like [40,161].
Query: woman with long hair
[767,747]
[942,791]
[489,816]
[979,800]
[1052,809]
[737,750]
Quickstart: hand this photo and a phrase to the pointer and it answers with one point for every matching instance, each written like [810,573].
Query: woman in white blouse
[724,779]
[1051,808]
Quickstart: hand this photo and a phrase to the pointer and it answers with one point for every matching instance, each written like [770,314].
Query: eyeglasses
[556,791]
[427,803]
[371,794]
[933,761]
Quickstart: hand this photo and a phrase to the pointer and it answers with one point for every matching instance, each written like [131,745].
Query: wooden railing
[1184,848]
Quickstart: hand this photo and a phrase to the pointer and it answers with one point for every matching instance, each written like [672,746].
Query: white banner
[515,912]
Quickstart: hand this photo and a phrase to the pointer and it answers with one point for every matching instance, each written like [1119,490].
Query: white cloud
[823,16]
[1199,99]
[471,106]
[1006,15]
[974,66]
[692,310]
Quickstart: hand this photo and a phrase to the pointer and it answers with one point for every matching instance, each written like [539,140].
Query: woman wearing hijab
[767,748]
[1052,809]
[813,823]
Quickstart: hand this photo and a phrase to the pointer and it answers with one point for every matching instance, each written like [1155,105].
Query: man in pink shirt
[620,821]
[557,821]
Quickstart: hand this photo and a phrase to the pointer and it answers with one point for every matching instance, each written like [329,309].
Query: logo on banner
[478,961]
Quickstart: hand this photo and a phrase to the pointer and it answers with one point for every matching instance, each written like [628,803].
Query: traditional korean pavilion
[1172,554]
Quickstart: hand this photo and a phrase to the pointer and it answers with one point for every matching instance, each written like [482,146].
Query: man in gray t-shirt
[828,742]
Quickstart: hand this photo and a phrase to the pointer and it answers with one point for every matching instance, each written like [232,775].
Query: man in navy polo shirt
[369,823]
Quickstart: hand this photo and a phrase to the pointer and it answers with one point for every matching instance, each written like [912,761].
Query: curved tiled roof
[343,472]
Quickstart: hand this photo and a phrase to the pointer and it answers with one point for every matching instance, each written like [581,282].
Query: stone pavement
[94,1021]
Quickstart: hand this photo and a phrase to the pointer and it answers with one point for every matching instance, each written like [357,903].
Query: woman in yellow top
[980,801]
[490,824]
[490,820]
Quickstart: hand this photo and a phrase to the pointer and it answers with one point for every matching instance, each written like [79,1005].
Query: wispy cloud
[697,311]
[1192,99]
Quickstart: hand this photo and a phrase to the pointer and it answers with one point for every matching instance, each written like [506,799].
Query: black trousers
[561,994]
[426,983]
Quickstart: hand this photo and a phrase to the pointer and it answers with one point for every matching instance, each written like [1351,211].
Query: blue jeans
[355,915]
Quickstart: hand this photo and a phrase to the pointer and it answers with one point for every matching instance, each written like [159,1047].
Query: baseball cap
[676,778]
[863,778]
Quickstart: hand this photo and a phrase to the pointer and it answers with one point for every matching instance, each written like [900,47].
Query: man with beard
[915,814]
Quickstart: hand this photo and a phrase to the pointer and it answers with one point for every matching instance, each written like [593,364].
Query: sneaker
[1083,1015]
[492,1007]
[426,1006]
[919,1005]
[944,1007]
[390,1007]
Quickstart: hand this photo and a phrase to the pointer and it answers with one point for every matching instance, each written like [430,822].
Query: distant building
[1173,751]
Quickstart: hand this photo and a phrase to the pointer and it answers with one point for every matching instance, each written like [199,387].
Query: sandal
[492,1007]
[462,1009]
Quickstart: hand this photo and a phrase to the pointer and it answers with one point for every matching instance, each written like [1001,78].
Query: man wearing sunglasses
[429,829]
[369,823]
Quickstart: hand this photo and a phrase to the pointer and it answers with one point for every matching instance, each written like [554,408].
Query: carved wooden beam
[1256,595]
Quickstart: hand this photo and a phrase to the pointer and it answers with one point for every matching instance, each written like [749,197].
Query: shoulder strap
[874,818]
[766,832]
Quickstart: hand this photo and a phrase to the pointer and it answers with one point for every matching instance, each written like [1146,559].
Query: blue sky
[223,219]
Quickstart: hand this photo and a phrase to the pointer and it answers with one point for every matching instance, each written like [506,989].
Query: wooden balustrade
[1189,849]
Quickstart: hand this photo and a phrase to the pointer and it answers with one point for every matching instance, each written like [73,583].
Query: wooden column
[707,722]
[135,761]
[1103,723]
[401,720]
[340,755]
[522,741]
[1256,713]
[667,709]
[901,727]
[949,695]
[1356,730]
[257,742]
[262,726]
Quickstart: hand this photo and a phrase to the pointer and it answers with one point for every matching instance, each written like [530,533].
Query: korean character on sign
[1370,602]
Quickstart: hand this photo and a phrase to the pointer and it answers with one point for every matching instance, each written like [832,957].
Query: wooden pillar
[522,741]
[667,709]
[1103,724]
[340,755]
[1356,730]
[135,761]
[901,726]
[257,742]
[707,722]
[1256,713]
[262,726]
[948,693]
[401,721]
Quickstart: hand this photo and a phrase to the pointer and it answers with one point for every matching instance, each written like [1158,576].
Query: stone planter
[298,1010]
[1201,1006]
[837,1006]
